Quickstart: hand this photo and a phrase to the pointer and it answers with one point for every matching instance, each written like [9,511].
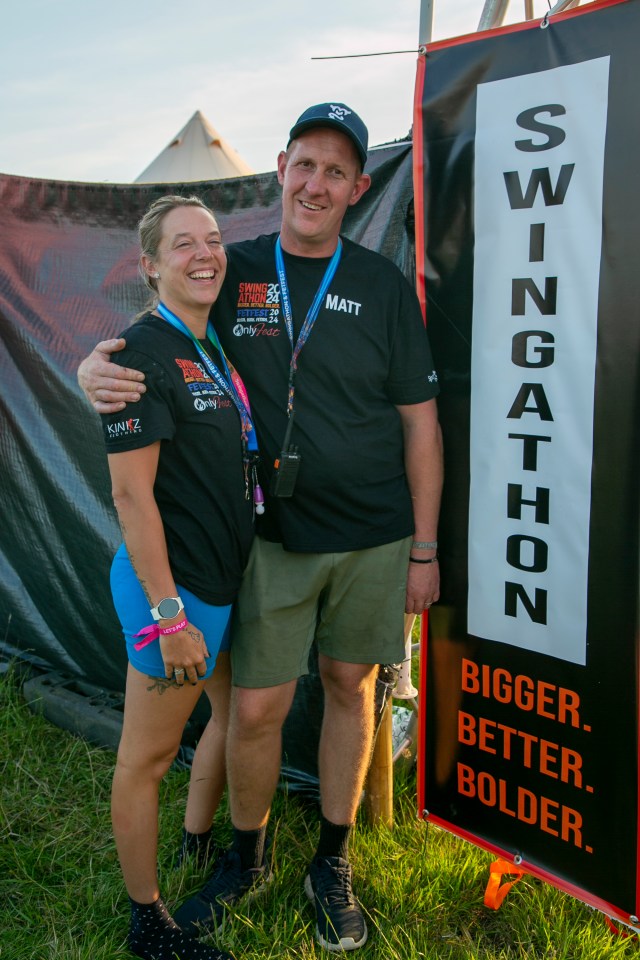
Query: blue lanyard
[312,313]
[229,383]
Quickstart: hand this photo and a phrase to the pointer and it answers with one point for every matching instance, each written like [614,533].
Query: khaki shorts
[351,603]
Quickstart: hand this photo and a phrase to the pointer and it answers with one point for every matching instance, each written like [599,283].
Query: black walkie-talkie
[286,466]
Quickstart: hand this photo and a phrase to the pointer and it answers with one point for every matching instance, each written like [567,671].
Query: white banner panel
[539,156]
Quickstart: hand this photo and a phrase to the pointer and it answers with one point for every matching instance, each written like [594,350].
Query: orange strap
[496,890]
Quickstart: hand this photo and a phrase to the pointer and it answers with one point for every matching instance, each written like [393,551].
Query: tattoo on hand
[195,636]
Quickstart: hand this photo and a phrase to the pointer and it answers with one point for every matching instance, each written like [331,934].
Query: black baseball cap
[339,117]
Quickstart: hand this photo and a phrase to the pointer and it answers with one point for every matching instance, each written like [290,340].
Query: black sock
[249,844]
[196,845]
[154,935]
[334,839]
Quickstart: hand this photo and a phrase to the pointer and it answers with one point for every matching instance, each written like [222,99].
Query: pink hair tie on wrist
[152,632]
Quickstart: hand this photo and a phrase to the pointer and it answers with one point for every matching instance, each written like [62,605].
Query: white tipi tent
[198,152]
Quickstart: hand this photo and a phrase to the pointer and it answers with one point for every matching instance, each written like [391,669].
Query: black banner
[528,214]
[68,278]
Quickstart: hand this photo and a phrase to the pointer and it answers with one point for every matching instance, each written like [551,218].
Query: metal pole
[563,5]
[425,28]
[493,14]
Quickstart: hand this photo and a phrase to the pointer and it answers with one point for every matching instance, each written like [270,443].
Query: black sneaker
[154,935]
[204,912]
[173,945]
[340,921]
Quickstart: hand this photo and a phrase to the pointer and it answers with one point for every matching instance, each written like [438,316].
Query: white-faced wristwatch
[167,609]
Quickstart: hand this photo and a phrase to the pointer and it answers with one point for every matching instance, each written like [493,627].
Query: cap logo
[338,113]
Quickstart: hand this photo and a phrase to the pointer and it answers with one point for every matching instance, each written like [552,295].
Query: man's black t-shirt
[367,352]
[199,487]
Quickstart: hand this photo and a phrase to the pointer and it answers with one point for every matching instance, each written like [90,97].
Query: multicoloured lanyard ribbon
[230,383]
[312,313]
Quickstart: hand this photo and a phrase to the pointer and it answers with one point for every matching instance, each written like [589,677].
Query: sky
[94,91]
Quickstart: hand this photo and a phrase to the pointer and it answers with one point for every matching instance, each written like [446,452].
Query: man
[348,540]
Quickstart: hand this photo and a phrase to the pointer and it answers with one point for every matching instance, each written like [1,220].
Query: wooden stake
[378,797]
[378,789]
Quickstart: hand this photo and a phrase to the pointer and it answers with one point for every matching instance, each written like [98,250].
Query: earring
[156,276]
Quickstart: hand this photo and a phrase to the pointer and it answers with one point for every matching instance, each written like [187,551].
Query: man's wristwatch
[167,609]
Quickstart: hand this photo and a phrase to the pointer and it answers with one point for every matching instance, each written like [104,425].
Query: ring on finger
[179,671]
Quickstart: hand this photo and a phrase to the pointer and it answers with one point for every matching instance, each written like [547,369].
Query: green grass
[62,898]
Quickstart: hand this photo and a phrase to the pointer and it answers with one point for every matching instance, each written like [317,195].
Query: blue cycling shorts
[132,608]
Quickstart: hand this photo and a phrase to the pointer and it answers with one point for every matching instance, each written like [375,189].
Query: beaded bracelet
[424,545]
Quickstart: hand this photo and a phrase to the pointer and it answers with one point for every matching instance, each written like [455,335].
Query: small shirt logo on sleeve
[124,428]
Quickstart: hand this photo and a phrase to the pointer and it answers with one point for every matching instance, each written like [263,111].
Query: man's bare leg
[347,736]
[254,750]
[345,752]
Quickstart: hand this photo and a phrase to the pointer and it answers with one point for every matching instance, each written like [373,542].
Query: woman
[181,471]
